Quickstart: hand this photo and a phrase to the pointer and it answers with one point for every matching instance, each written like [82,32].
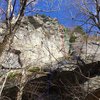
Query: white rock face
[89,49]
[92,51]
[39,41]
[92,84]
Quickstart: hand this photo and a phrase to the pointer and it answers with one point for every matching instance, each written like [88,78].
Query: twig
[3,85]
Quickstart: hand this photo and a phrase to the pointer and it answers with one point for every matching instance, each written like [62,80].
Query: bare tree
[13,22]
[90,10]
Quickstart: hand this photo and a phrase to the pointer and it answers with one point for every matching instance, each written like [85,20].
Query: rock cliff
[40,41]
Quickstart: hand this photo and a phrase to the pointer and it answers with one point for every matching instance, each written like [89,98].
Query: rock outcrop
[65,85]
[39,41]
[41,45]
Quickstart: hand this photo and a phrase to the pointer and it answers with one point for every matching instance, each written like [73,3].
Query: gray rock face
[39,42]
[88,49]
[89,52]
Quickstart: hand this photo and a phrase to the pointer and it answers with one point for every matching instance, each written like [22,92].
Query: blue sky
[63,10]
[66,12]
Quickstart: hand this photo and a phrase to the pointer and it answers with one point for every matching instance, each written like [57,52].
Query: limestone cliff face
[42,40]
[39,40]
[88,47]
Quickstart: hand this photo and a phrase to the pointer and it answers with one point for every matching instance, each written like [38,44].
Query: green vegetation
[72,38]
[34,69]
[12,75]
[66,30]
[79,29]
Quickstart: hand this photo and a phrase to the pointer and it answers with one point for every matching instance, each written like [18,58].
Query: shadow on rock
[64,85]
